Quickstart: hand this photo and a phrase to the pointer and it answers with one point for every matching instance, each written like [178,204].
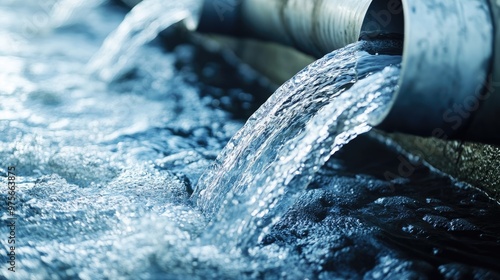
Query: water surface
[106,166]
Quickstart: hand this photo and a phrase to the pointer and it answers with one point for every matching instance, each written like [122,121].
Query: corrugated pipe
[450,81]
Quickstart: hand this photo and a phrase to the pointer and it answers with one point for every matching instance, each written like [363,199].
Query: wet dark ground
[353,223]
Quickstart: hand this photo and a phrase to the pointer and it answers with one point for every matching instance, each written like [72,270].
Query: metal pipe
[448,46]
[448,51]
[314,27]
[485,125]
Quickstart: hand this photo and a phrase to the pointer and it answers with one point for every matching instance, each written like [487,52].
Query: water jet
[447,105]
[447,86]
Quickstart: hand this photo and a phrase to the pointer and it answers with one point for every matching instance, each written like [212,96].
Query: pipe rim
[431,57]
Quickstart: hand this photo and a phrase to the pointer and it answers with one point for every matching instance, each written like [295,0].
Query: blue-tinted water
[285,142]
[105,172]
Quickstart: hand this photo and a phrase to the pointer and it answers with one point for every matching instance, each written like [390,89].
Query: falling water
[105,169]
[66,11]
[141,25]
[291,136]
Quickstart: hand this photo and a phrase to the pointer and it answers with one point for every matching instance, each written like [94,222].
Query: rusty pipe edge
[447,53]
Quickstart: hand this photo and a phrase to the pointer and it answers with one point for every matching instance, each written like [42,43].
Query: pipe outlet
[447,86]
[448,48]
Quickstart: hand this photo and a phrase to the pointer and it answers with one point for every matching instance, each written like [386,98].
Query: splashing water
[105,170]
[93,159]
[291,136]
[141,25]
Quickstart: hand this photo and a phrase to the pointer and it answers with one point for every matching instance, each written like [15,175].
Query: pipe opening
[445,60]
[384,19]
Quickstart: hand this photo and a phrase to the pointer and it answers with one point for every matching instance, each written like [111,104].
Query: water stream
[141,25]
[110,134]
[284,144]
